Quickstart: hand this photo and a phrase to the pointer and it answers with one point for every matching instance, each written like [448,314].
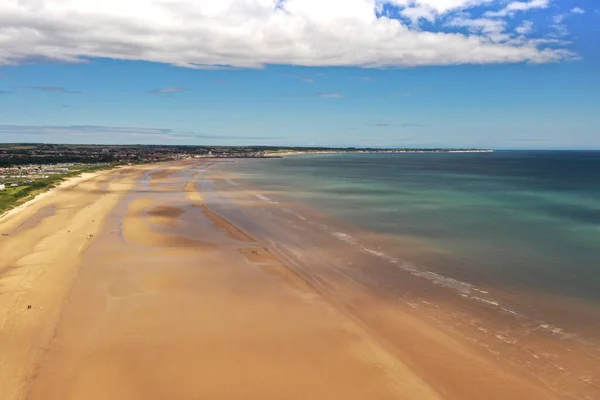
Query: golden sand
[192,194]
[137,229]
[127,306]
[38,267]
[164,216]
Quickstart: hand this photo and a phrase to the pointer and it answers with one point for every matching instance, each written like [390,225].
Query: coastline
[502,323]
[175,280]
[285,153]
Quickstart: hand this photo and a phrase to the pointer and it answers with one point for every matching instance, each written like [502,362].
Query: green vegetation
[15,196]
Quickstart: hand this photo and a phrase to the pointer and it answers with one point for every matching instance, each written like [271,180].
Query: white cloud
[417,13]
[251,33]
[518,6]
[559,27]
[558,19]
[525,28]
[430,10]
[552,40]
[494,29]
[438,6]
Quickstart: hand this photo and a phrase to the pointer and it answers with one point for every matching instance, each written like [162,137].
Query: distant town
[51,154]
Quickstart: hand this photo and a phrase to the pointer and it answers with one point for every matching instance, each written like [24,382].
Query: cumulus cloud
[559,27]
[416,14]
[253,33]
[559,19]
[437,7]
[518,6]
[525,28]
[494,29]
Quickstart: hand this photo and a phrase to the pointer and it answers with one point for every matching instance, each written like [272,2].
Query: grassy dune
[14,196]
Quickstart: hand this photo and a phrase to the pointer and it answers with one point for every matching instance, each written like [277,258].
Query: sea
[516,221]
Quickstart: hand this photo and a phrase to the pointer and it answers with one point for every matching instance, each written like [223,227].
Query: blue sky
[409,73]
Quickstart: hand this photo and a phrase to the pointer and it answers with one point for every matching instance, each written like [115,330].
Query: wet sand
[172,282]
[40,254]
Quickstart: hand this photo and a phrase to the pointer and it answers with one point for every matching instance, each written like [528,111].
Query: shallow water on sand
[521,222]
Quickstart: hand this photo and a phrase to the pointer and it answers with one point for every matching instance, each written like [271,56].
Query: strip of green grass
[13,197]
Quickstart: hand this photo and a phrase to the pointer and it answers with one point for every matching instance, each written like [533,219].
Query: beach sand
[166,282]
[40,252]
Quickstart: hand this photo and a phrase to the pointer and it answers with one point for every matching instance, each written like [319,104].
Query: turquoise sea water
[522,219]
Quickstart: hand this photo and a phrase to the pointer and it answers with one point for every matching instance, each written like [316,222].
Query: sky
[503,74]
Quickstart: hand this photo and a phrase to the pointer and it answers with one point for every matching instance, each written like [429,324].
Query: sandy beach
[170,281]
[74,181]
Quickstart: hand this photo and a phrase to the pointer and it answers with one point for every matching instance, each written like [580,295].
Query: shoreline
[520,328]
[427,259]
[178,282]
[497,300]
[379,151]
[63,184]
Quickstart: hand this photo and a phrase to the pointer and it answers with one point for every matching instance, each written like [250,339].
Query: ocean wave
[344,237]
[295,214]
[465,289]
[462,287]
[265,198]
